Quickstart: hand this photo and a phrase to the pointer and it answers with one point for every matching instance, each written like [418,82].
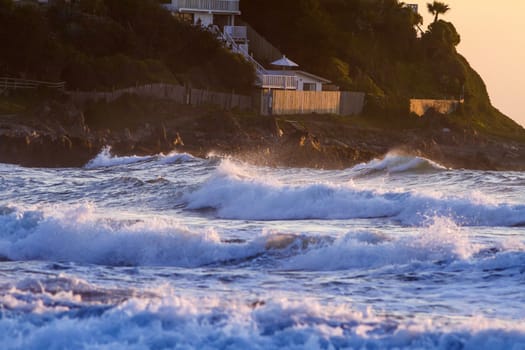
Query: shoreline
[57,135]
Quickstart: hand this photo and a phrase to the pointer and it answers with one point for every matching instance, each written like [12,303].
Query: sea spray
[441,241]
[394,162]
[123,257]
[236,193]
[80,235]
[106,159]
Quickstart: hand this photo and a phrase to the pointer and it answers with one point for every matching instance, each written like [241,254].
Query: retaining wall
[420,106]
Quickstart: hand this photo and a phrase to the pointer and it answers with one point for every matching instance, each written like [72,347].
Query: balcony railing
[237,32]
[230,6]
[287,82]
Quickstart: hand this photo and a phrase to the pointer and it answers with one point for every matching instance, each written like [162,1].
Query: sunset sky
[493,41]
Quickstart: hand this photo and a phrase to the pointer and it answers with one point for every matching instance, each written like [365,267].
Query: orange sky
[493,41]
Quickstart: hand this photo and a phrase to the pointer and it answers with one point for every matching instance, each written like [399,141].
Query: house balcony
[237,33]
[209,6]
[285,82]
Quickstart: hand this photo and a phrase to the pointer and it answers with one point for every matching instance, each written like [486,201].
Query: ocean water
[176,252]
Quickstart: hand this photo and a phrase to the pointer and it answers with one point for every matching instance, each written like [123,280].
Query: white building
[219,16]
[206,12]
[293,80]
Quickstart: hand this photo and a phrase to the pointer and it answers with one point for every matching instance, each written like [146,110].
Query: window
[309,86]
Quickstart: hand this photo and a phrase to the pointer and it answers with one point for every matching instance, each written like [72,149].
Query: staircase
[236,39]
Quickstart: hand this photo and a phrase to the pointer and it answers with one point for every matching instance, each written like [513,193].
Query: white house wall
[206,19]
[301,79]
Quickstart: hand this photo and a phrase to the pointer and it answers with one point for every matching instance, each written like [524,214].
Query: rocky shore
[56,135]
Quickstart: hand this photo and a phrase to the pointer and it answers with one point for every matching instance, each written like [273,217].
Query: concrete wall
[352,103]
[420,107]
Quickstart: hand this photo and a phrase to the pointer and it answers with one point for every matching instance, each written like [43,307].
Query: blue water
[176,252]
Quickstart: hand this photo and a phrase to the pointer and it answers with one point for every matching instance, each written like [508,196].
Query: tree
[437,8]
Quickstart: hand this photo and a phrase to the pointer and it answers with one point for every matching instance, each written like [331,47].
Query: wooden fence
[220,99]
[14,84]
[280,102]
[176,93]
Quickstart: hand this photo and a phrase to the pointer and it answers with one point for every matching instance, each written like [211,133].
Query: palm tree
[437,8]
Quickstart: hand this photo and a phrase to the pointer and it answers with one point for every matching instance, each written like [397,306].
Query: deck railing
[14,83]
[264,80]
[271,81]
[237,32]
[210,5]
[239,49]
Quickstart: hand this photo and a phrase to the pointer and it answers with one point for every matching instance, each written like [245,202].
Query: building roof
[284,62]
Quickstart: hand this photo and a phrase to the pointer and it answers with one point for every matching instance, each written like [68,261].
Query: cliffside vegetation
[376,46]
[379,46]
[105,44]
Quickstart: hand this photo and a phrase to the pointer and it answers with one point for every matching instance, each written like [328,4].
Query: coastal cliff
[370,46]
[58,134]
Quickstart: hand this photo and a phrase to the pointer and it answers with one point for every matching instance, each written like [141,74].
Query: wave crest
[79,235]
[442,241]
[238,194]
[106,159]
[394,162]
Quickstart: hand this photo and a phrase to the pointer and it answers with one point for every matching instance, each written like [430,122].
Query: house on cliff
[205,12]
[221,17]
[282,89]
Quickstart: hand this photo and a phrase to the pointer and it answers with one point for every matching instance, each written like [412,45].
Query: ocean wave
[79,235]
[166,319]
[236,193]
[441,242]
[175,158]
[394,162]
[106,159]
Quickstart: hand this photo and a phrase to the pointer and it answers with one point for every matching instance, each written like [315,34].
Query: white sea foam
[394,162]
[174,157]
[237,194]
[442,241]
[77,234]
[106,159]
[167,319]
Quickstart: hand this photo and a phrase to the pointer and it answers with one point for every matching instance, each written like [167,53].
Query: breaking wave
[106,159]
[163,318]
[394,162]
[235,193]
[443,242]
[79,235]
